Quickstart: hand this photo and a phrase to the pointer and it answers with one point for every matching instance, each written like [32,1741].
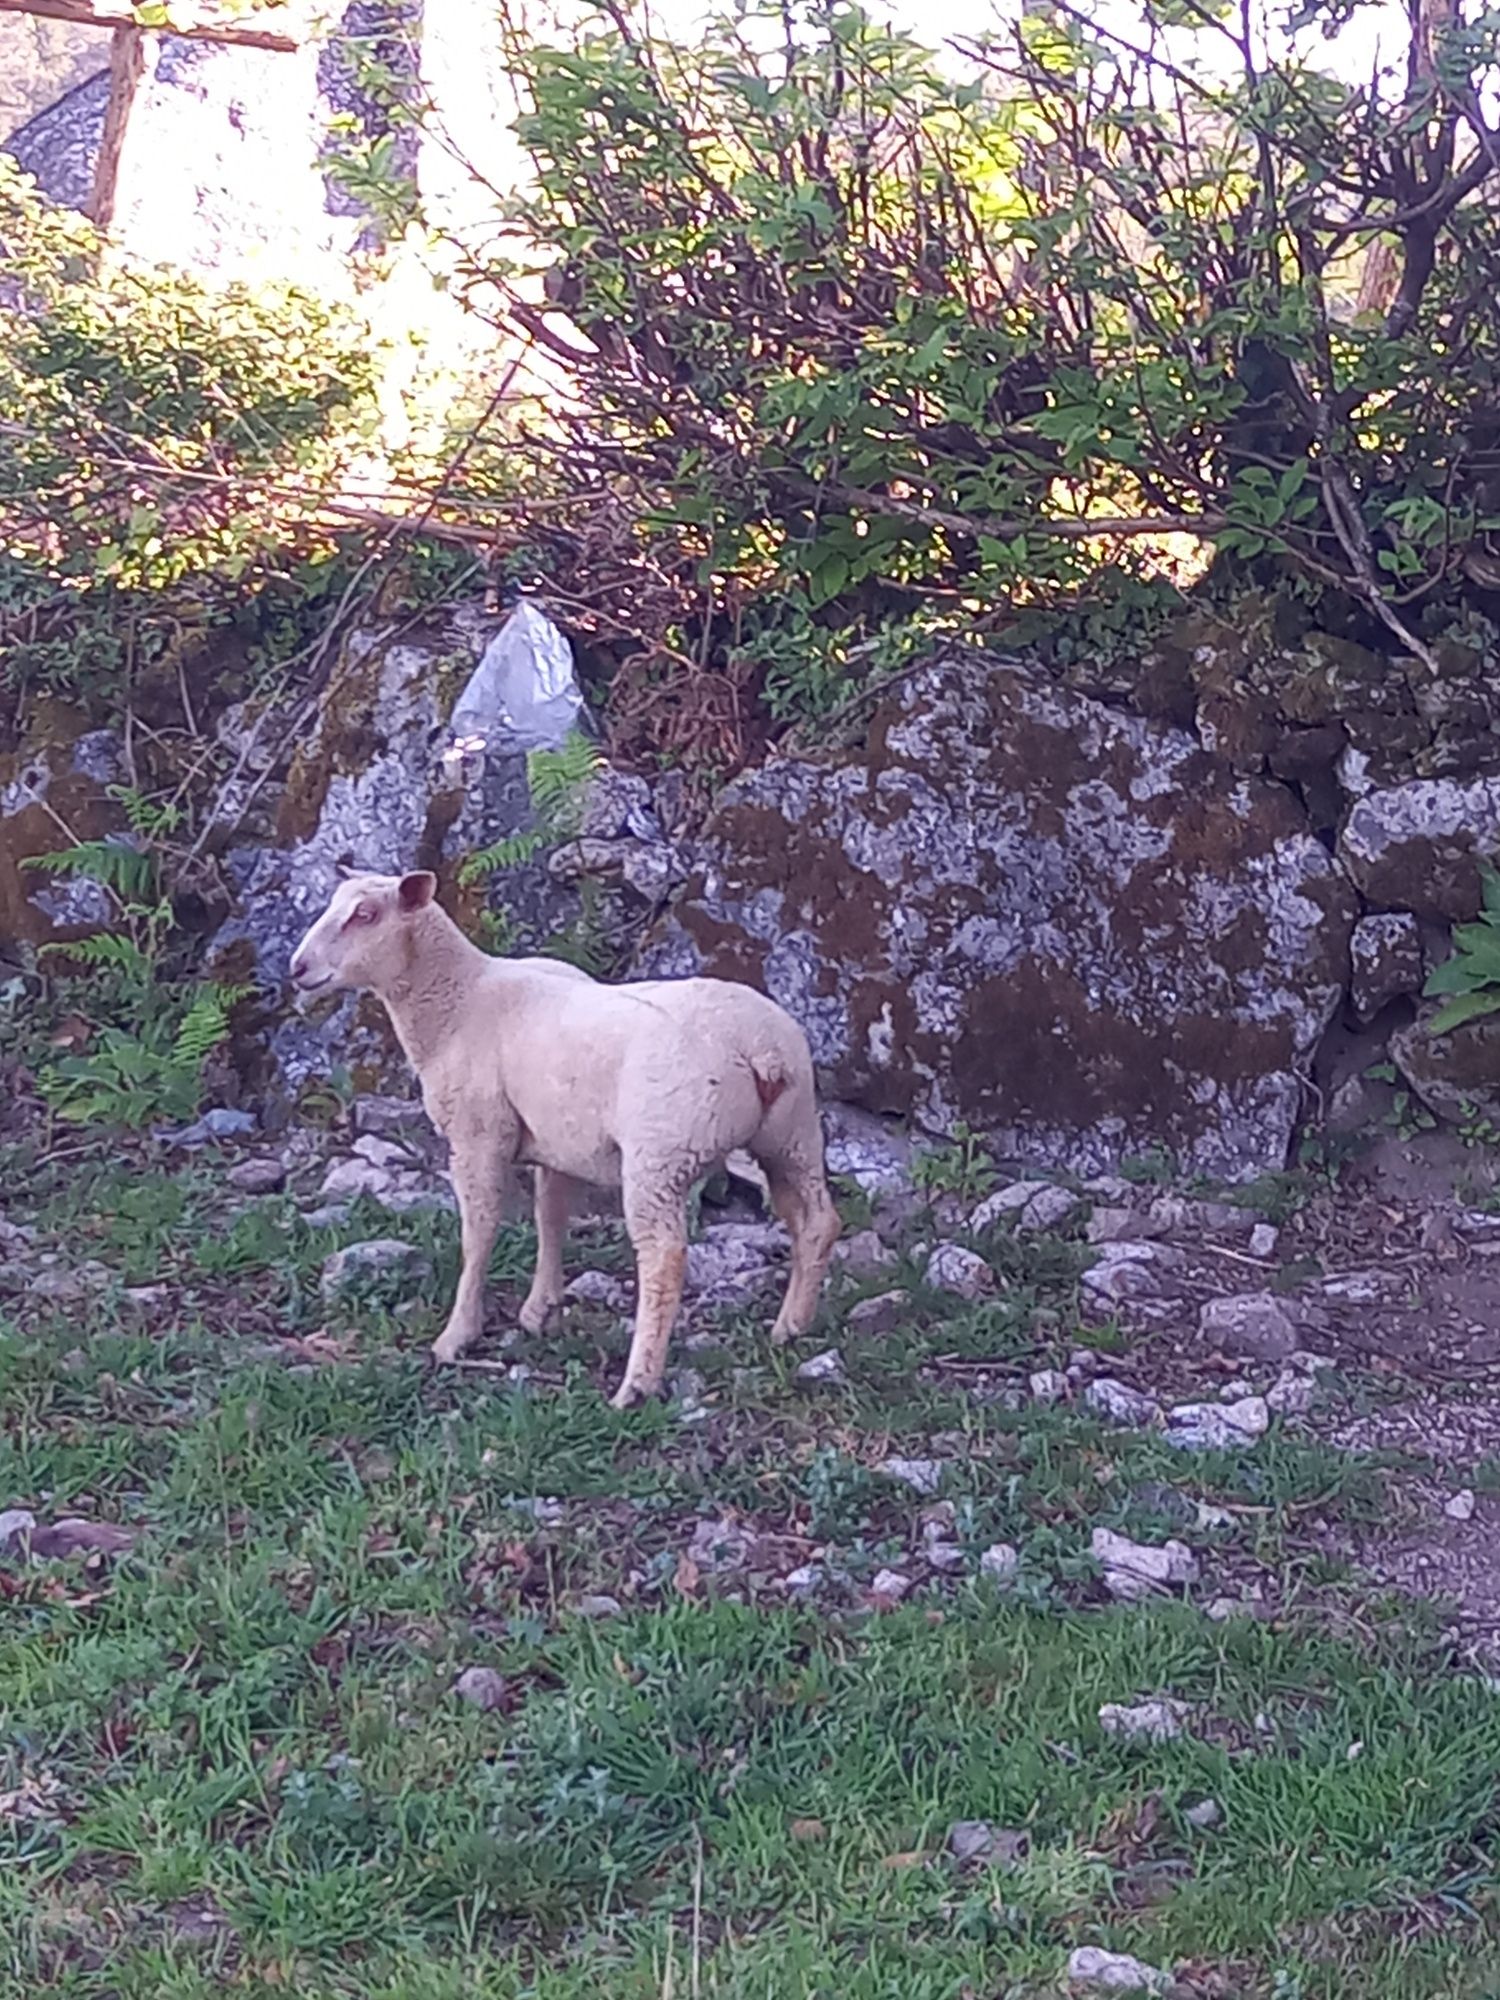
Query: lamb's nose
[299,966]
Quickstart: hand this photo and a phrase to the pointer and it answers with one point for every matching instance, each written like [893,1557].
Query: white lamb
[645,1087]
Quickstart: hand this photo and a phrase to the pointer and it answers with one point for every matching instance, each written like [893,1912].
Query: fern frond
[150,818]
[513,852]
[558,781]
[115,864]
[106,949]
[206,1022]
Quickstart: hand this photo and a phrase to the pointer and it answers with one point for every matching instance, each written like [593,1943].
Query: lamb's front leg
[480,1168]
[554,1193]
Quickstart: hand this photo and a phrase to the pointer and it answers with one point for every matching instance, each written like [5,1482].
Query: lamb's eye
[362,913]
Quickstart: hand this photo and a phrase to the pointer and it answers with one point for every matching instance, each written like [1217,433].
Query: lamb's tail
[772,1073]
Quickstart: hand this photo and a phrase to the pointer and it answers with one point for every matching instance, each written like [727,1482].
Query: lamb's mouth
[315,985]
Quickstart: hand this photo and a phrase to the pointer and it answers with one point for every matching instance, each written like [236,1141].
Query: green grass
[233,1759]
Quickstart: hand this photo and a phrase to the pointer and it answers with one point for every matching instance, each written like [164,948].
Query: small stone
[219,1123]
[962,1273]
[939,1551]
[1103,1971]
[381,1152]
[349,1178]
[1125,1271]
[387,1114]
[974,1843]
[1049,1208]
[597,1605]
[1461,1506]
[1205,1814]
[1005,1205]
[721,1545]
[804,1580]
[723,1266]
[15,1523]
[1113,1225]
[382,1257]
[1292,1394]
[1112,1189]
[1358,1288]
[1048,1385]
[1000,1562]
[257,1176]
[881,1314]
[863,1149]
[923,1475]
[481,1687]
[1176,1215]
[147,1298]
[599,1288]
[1252,1326]
[892,1584]
[333,1216]
[864,1255]
[61,1284]
[825,1367]
[1224,1608]
[1133,1570]
[1218,1426]
[1155,1721]
[1118,1403]
[1264,1238]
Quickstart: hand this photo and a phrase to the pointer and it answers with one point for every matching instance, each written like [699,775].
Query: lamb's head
[364,937]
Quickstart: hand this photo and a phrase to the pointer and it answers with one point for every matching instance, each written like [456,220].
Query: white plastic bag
[524,694]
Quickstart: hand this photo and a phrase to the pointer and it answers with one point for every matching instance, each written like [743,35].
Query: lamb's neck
[426,999]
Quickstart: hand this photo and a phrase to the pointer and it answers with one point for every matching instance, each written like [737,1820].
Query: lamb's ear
[417,891]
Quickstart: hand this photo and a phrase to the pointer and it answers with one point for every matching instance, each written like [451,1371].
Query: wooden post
[127,65]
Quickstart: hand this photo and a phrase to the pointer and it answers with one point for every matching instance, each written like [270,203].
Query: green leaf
[1468,1007]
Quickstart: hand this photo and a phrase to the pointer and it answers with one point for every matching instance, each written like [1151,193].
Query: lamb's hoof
[534,1318]
[630,1396]
[446,1349]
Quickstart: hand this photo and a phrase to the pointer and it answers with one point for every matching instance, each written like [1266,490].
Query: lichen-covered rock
[383,1258]
[55,784]
[369,788]
[1252,1326]
[1018,909]
[1386,962]
[1457,1075]
[1418,846]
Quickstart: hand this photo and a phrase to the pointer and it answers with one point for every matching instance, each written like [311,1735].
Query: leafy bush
[1471,977]
[878,351]
[164,447]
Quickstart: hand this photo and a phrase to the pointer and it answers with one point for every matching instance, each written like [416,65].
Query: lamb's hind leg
[554,1193]
[656,1218]
[799,1195]
[480,1167]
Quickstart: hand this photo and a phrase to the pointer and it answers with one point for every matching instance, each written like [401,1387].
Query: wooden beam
[127,65]
[115,14]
